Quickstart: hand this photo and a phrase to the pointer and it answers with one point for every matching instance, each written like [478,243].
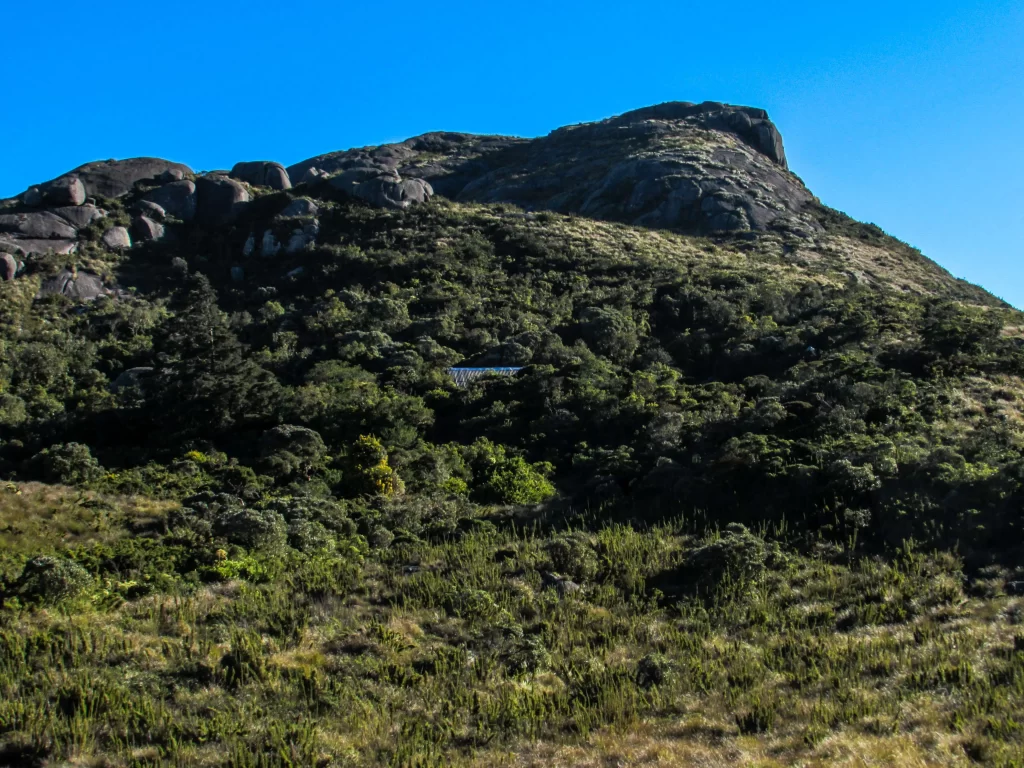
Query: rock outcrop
[269,245]
[38,224]
[151,210]
[81,286]
[8,266]
[117,239]
[313,174]
[300,206]
[178,199]
[219,199]
[144,229]
[131,377]
[382,187]
[302,237]
[694,167]
[706,167]
[30,246]
[67,190]
[262,173]
[114,178]
[79,216]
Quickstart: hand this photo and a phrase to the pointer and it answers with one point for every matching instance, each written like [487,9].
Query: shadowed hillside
[754,492]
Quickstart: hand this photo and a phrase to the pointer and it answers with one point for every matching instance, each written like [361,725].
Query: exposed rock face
[219,199]
[38,225]
[312,174]
[8,266]
[749,123]
[382,187]
[177,199]
[132,377]
[67,190]
[32,197]
[117,239]
[144,229]
[172,174]
[695,167]
[703,167]
[151,210]
[301,238]
[269,245]
[79,216]
[262,173]
[83,286]
[301,206]
[31,246]
[277,177]
[114,178]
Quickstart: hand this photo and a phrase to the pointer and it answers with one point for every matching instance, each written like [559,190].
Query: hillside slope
[755,488]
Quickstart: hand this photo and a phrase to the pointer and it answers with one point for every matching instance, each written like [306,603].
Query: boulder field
[703,168]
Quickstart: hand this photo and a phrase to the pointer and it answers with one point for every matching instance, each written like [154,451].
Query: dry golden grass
[704,740]
[36,516]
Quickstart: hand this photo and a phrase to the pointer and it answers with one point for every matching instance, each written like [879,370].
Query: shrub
[68,463]
[333,516]
[759,716]
[514,481]
[475,605]
[51,579]
[309,536]
[738,556]
[251,528]
[527,656]
[368,470]
[289,452]
[573,556]
[609,332]
[654,669]
[381,538]
[221,514]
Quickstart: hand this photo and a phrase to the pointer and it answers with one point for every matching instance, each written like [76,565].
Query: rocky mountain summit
[709,168]
[705,166]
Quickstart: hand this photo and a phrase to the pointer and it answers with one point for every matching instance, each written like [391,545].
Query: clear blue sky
[907,114]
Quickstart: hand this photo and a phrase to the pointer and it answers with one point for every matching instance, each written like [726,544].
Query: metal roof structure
[462,376]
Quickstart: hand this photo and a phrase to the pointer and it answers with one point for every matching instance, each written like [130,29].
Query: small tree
[571,555]
[51,579]
[68,463]
[738,556]
[289,452]
[368,469]
[251,528]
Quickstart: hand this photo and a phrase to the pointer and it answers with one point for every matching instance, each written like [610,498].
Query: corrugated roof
[462,376]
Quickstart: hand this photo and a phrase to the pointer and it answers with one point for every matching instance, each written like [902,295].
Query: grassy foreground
[677,649]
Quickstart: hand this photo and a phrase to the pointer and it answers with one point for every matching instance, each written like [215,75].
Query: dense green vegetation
[790,499]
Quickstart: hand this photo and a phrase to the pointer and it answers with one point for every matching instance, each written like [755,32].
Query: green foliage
[654,669]
[465,643]
[507,479]
[289,452]
[309,536]
[368,471]
[68,463]
[250,528]
[51,579]
[573,556]
[758,470]
[736,557]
